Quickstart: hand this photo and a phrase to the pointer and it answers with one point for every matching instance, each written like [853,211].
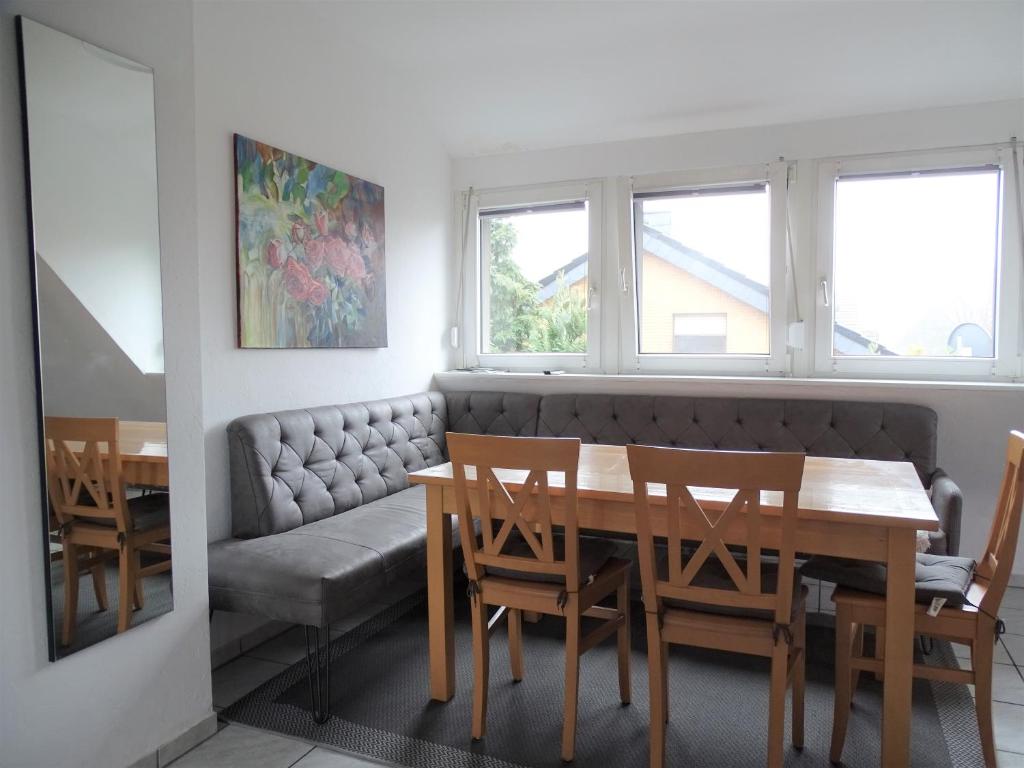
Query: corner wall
[118,701]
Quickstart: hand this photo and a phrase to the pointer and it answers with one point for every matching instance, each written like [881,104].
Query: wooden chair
[520,565]
[89,501]
[973,624]
[745,605]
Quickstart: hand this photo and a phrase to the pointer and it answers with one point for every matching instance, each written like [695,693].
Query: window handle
[824,291]
[622,280]
[591,293]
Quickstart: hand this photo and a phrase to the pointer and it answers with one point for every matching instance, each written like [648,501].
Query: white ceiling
[495,77]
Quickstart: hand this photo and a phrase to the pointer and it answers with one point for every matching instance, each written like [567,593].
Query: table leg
[899,648]
[439,597]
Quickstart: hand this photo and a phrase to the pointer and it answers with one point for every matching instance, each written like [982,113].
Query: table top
[887,493]
[140,441]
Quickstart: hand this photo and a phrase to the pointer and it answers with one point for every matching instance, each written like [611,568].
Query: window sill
[698,385]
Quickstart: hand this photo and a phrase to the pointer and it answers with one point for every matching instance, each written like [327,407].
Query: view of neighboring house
[695,304]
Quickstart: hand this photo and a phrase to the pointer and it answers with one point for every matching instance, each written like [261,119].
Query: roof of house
[729,281]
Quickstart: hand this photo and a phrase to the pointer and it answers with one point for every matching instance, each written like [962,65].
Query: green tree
[519,322]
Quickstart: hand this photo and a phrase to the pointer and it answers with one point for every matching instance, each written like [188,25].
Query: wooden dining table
[143,449]
[852,508]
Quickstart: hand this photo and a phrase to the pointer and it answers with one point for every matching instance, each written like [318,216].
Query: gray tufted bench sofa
[324,519]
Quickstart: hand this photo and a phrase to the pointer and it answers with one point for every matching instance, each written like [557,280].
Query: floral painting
[310,253]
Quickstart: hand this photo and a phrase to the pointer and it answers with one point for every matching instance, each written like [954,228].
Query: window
[913,267]
[709,267]
[536,298]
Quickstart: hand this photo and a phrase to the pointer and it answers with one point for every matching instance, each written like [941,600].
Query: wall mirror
[95,249]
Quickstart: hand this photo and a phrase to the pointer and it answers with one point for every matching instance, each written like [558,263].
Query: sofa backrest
[294,467]
[842,429]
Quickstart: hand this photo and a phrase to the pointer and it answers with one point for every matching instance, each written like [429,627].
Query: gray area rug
[95,625]
[719,702]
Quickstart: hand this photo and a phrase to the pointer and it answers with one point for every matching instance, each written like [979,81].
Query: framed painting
[310,249]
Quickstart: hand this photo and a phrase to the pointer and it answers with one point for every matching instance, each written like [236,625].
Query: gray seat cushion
[594,553]
[712,575]
[320,572]
[934,576]
[147,512]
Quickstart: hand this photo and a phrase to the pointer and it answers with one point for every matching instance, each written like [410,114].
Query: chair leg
[99,584]
[880,651]
[777,704]
[799,680]
[126,588]
[515,642]
[656,662]
[572,677]
[318,668]
[70,618]
[848,635]
[664,679]
[982,652]
[481,666]
[622,601]
[138,598]
[858,652]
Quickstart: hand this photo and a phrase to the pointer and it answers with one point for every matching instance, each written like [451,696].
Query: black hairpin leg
[318,665]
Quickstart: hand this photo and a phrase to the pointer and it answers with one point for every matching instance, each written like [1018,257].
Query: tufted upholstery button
[615,417]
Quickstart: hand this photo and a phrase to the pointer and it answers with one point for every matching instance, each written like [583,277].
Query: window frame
[1007,362]
[776,362]
[473,320]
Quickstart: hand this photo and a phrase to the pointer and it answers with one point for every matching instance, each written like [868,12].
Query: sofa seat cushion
[712,575]
[594,553]
[320,572]
[934,576]
[395,528]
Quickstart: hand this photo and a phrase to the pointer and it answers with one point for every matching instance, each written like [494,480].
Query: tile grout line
[303,757]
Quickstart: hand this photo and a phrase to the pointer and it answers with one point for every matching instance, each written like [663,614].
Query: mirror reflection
[93,193]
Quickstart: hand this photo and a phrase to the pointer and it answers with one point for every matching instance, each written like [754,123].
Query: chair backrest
[510,492]
[83,467]
[686,520]
[996,563]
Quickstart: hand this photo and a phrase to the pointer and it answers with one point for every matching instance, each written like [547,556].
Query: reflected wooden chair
[973,624]
[520,564]
[87,492]
[711,598]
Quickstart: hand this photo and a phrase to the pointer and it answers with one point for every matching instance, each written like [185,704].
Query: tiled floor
[236,745]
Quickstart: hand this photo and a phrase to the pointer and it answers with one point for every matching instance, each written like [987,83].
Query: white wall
[331,103]
[972,422]
[113,703]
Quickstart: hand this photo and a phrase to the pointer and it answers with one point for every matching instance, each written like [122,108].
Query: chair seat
[594,553]
[942,576]
[712,575]
[146,513]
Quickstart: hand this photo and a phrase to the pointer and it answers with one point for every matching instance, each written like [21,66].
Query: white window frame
[777,360]
[488,200]
[1007,362]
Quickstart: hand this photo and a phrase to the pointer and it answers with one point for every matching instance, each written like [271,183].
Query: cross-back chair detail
[687,521]
[525,511]
[680,603]
[84,465]
[507,483]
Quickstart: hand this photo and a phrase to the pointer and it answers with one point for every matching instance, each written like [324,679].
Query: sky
[914,255]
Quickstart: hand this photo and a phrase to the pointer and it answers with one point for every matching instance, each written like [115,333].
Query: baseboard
[1016,580]
[179,745]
